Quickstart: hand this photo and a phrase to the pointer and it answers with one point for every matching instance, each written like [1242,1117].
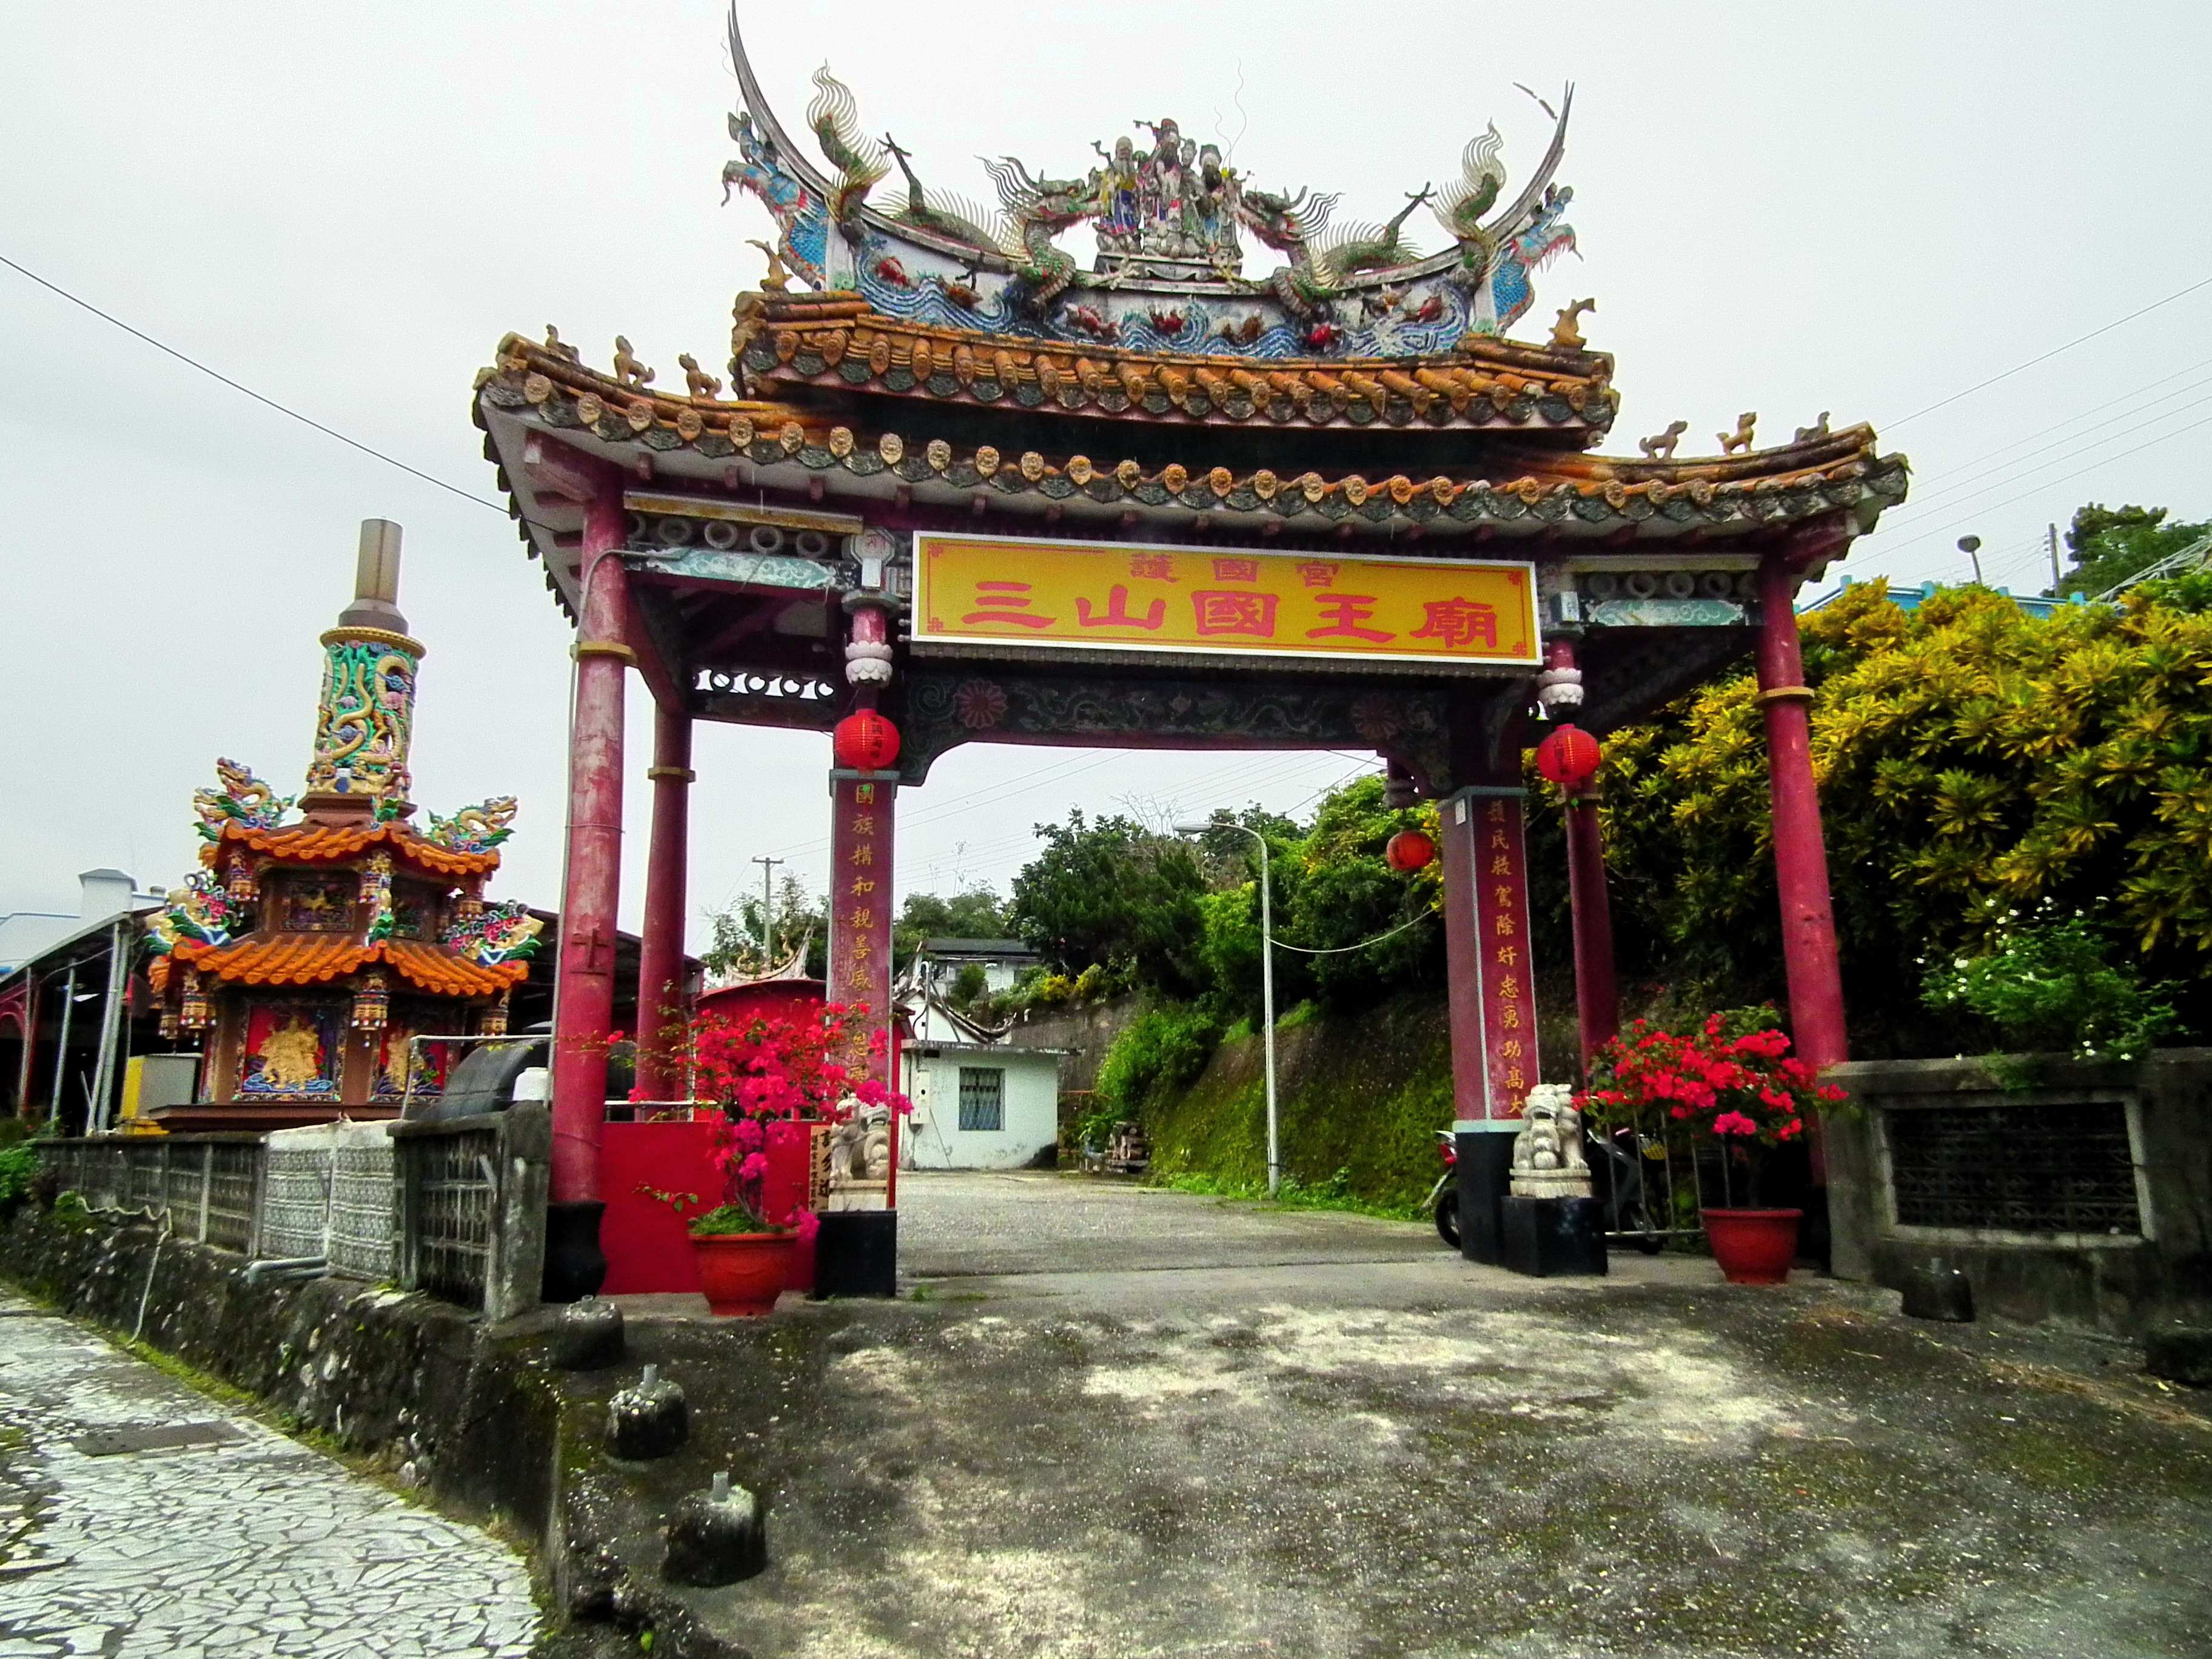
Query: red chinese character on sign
[1510,1017]
[863,823]
[1224,611]
[862,918]
[864,855]
[1497,813]
[1237,570]
[860,948]
[1510,1048]
[1117,614]
[1004,602]
[1501,896]
[1508,955]
[1504,925]
[1501,865]
[1152,567]
[1510,987]
[1346,612]
[1456,623]
[1318,575]
[862,884]
[1514,1078]
[864,794]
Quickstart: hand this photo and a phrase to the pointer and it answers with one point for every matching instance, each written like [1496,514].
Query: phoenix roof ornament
[1170,217]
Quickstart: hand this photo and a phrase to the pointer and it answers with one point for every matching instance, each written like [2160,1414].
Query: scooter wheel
[1448,1217]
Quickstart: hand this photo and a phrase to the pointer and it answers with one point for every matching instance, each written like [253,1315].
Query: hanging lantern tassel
[1409,850]
[1569,757]
[866,742]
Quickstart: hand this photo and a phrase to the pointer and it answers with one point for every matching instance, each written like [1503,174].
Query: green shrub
[1162,1048]
[2052,985]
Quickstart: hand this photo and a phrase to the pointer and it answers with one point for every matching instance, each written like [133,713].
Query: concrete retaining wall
[2125,1281]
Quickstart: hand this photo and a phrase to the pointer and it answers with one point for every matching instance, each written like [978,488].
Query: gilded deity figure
[291,1056]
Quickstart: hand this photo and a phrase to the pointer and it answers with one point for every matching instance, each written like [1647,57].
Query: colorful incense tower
[312,953]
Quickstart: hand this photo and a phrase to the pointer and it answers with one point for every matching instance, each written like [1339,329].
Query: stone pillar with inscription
[1491,994]
[860,887]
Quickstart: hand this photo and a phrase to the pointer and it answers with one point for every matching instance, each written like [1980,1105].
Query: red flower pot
[1753,1246]
[742,1272]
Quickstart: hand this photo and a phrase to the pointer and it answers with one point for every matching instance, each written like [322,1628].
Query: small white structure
[979,1101]
[980,1106]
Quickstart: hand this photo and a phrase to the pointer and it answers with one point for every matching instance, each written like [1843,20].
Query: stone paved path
[256,1547]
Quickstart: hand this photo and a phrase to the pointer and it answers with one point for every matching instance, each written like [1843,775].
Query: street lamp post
[1266,987]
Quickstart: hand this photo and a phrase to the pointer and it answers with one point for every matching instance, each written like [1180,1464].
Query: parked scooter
[1444,1197]
[1634,1205]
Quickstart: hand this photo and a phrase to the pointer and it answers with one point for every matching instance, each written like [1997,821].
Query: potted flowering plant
[761,1070]
[1729,1083]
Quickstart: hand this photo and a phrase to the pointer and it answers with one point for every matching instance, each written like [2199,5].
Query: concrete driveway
[1111,1421]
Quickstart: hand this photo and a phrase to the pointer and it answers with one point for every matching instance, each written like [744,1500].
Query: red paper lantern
[866,742]
[1569,755]
[1409,850]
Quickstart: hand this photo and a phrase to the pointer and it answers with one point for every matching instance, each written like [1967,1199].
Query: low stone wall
[2081,1195]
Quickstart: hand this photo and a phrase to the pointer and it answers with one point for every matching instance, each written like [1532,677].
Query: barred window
[2017,1168]
[983,1098]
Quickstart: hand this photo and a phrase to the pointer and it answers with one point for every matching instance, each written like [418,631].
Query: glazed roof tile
[837,341]
[1527,486]
[313,958]
[312,843]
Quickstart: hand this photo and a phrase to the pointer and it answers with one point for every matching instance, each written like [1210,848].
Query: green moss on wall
[1364,1094]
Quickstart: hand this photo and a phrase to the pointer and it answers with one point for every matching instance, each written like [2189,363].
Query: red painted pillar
[583,998]
[1801,862]
[1457,829]
[660,1011]
[1597,991]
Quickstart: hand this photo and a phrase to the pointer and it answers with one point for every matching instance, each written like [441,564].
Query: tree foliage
[1972,760]
[1116,895]
[2108,545]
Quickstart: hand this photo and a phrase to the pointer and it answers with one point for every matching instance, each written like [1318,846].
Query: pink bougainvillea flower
[1733,1123]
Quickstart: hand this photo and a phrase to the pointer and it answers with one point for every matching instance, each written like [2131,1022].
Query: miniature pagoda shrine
[971,489]
[310,952]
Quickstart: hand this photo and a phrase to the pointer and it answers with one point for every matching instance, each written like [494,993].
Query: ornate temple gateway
[308,953]
[969,489]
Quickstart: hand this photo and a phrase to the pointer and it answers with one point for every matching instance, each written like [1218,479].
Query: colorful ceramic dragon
[498,932]
[474,828]
[242,799]
[1318,272]
[199,912]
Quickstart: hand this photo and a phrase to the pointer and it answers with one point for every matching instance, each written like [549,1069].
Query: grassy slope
[1364,1094]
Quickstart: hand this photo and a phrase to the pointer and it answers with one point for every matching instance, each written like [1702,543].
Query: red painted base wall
[647,1247]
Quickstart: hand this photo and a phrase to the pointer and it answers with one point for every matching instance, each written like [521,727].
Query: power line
[2046,484]
[1982,386]
[217,374]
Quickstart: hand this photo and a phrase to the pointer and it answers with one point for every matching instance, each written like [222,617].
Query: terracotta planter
[1753,1246]
[742,1272]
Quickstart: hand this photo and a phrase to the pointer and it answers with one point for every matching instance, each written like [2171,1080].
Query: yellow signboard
[1130,596]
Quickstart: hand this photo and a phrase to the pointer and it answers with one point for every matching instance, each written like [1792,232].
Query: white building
[979,1101]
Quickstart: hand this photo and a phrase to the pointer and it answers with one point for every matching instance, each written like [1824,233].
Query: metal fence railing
[1646,1174]
[207,1187]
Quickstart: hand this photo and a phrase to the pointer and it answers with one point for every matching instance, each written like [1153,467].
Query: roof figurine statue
[1170,213]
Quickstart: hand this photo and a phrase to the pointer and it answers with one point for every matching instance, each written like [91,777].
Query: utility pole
[768,909]
[2051,540]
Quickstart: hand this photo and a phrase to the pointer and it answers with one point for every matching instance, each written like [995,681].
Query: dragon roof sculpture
[1171,216]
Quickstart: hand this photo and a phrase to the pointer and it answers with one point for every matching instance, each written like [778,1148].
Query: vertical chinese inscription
[860,904]
[1501,922]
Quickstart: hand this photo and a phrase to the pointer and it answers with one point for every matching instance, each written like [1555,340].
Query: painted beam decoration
[1125,596]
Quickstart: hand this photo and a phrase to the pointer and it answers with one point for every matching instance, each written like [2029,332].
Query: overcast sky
[1864,209]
